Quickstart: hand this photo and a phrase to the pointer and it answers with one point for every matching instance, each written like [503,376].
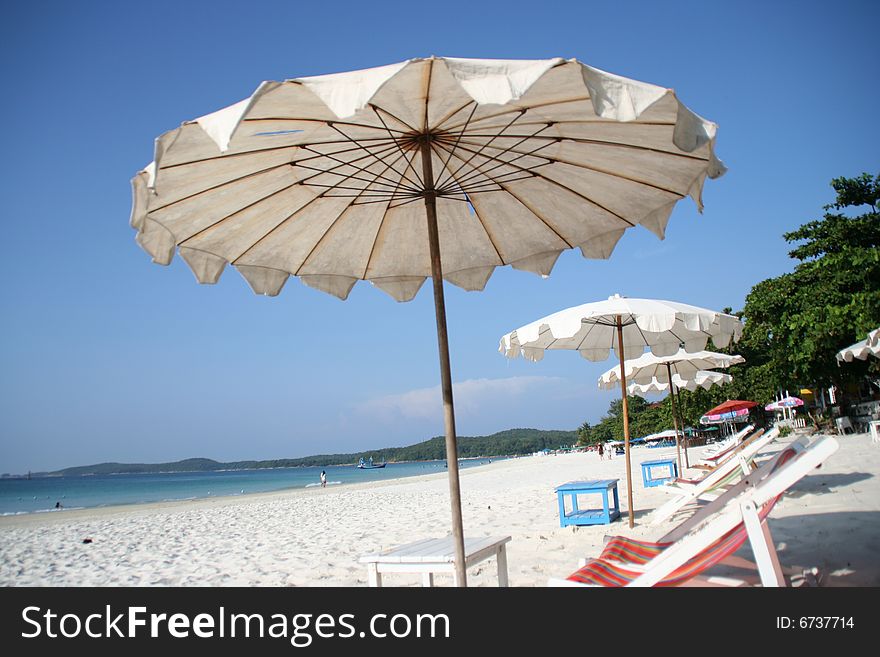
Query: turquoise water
[40,494]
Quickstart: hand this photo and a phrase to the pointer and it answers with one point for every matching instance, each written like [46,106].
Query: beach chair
[710,461]
[714,448]
[739,463]
[713,534]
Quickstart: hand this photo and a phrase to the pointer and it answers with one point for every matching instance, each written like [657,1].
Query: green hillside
[504,443]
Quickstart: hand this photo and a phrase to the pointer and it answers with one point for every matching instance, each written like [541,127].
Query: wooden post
[629,482]
[681,418]
[674,419]
[445,369]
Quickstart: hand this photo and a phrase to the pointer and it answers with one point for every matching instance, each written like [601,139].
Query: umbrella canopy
[785,402]
[731,410]
[628,327]
[440,167]
[651,367]
[870,346]
[683,366]
[701,379]
[662,435]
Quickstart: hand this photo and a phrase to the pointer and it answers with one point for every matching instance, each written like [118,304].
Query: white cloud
[470,397]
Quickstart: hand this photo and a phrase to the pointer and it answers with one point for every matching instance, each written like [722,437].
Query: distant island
[511,442]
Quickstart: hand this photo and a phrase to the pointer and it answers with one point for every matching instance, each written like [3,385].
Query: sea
[56,494]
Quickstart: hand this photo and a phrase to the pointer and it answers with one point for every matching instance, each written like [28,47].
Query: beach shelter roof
[433,167]
[628,327]
[870,346]
[662,435]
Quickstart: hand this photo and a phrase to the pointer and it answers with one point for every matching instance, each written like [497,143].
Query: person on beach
[601,452]
[323,479]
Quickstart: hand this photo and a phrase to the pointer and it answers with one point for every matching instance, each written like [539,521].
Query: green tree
[796,323]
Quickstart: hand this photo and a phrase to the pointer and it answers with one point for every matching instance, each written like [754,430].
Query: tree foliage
[794,323]
[797,322]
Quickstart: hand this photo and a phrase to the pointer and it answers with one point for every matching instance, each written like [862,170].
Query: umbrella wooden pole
[681,418]
[629,481]
[445,369]
[674,417]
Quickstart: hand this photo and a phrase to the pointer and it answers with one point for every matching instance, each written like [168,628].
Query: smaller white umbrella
[662,435]
[649,367]
[870,346]
[702,379]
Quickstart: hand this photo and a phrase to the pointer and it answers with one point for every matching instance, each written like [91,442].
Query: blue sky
[108,357]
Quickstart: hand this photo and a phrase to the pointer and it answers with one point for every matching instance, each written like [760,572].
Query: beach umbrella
[437,167]
[701,379]
[785,402]
[731,411]
[628,327]
[870,346]
[650,367]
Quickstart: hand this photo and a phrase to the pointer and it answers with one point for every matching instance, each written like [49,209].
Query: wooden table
[436,555]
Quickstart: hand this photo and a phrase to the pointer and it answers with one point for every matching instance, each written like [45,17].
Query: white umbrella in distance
[648,367]
[439,167]
[628,327]
[702,379]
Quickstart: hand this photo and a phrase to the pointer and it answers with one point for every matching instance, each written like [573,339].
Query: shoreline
[315,536]
[231,496]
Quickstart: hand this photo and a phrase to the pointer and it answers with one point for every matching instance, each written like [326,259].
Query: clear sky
[108,357]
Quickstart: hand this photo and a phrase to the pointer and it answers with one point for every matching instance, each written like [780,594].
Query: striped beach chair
[713,534]
[739,463]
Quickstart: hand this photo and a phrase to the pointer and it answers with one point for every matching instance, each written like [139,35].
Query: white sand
[314,537]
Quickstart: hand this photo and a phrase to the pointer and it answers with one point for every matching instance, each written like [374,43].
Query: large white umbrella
[439,167]
[648,367]
[870,346]
[628,327]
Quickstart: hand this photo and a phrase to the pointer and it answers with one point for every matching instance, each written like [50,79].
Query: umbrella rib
[514,108]
[486,230]
[478,152]
[250,205]
[409,163]
[439,183]
[269,149]
[600,142]
[378,159]
[252,174]
[592,325]
[328,122]
[439,124]
[390,182]
[535,173]
[477,171]
[376,241]
[538,174]
[607,172]
[276,227]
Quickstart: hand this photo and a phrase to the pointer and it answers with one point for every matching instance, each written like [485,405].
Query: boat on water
[367,465]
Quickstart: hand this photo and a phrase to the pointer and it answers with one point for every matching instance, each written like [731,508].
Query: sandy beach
[314,537]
